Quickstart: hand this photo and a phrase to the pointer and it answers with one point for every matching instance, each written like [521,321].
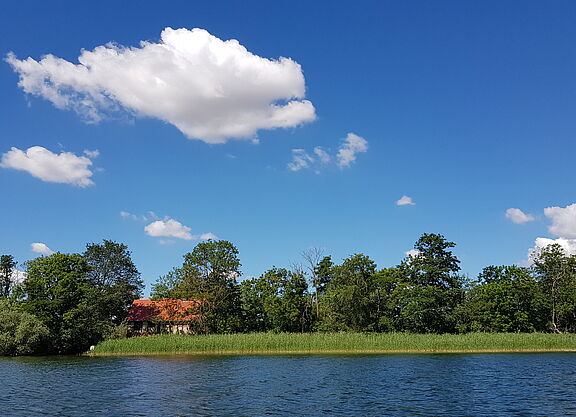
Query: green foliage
[434,265]
[505,299]
[70,301]
[431,288]
[324,273]
[556,273]
[56,290]
[80,298]
[116,278]
[351,302]
[209,274]
[21,333]
[278,301]
[7,267]
[336,343]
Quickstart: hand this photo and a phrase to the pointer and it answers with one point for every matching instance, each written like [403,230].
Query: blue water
[391,385]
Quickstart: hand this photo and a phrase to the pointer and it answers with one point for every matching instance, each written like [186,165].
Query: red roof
[167,309]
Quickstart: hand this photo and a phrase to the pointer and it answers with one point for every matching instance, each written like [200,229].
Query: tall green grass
[336,343]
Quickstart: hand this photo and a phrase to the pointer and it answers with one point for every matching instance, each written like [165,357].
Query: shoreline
[329,352]
[336,344]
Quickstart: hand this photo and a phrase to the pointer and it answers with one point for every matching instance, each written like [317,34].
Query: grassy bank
[267,343]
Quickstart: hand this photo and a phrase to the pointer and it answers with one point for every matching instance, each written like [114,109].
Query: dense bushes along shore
[71,301]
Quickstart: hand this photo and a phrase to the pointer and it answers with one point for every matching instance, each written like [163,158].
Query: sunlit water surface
[378,385]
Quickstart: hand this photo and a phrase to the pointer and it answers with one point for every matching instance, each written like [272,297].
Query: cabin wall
[144,328]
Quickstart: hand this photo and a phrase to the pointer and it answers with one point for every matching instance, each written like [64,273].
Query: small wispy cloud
[323,156]
[206,236]
[353,144]
[92,154]
[139,217]
[320,157]
[300,160]
[517,216]
[171,228]
[405,201]
[41,248]
[168,228]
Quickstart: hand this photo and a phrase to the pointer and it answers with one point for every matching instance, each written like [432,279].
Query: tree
[57,290]
[434,264]
[209,274]
[556,273]
[312,257]
[117,280]
[7,269]
[276,301]
[324,274]
[388,280]
[351,299]
[504,299]
[431,288]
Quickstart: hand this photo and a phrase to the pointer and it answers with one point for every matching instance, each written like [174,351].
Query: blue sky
[467,108]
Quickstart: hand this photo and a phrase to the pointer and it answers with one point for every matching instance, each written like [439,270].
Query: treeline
[425,293]
[68,302]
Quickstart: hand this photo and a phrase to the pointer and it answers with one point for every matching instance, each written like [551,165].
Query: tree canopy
[68,302]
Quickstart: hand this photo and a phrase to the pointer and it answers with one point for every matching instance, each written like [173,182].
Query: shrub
[21,333]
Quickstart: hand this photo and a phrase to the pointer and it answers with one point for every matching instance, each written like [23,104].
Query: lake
[315,385]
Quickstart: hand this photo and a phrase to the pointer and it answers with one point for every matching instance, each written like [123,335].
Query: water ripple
[387,385]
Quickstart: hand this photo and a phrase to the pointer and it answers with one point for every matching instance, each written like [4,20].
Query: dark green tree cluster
[277,301]
[68,301]
[425,293]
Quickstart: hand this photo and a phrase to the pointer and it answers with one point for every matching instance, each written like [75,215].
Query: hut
[163,316]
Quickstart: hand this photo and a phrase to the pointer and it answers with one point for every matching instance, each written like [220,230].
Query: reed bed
[327,343]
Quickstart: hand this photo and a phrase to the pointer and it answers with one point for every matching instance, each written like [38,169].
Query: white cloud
[41,248]
[568,245]
[412,253]
[130,216]
[300,160]
[563,221]
[345,156]
[18,276]
[517,216]
[150,215]
[65,167]
[405,201]
[126,215]
[323,156]
[208,88]
[206,236]
[353,144]
[92,154]
[168,228]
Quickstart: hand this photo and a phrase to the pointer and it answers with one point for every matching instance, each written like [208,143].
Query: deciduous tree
[117,280]
[351,299]
[504,299]
[209,274]
[7,269]
[556,272]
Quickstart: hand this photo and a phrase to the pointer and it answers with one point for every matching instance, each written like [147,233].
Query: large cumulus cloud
[210,89]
